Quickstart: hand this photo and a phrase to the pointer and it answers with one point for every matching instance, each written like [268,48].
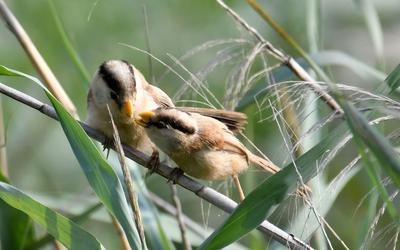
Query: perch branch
[289,61]
[206,193]
[40,64]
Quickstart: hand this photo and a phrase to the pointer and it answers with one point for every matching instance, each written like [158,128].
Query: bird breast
[211,164]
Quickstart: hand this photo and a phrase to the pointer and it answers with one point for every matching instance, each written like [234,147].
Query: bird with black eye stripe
[120,86]
[201,146]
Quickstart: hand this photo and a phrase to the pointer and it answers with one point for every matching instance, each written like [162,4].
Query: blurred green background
[39,157]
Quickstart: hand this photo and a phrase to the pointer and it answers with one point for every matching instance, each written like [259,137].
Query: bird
[120,87]
[201,146]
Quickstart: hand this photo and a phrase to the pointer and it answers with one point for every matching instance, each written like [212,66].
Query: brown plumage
[124,89]
[201,146]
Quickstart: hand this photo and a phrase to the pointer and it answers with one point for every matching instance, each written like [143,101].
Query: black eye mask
[168,122]
[117,88]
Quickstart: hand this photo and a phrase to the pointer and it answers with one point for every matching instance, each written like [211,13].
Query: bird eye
[114,96]
[160,125]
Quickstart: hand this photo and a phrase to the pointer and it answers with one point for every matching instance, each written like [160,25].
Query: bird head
[115,85]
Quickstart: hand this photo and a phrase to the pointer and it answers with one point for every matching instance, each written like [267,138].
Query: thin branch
[287,37]
[286,59]
[133,198]
[178,214]
[3,151]
[168,208]
[204,192]
[40,64]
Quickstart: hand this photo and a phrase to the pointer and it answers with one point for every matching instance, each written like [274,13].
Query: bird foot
[175,174]
[107,144]
[153,163]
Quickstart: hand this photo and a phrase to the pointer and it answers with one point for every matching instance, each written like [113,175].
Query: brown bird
[120,86]
[201,146]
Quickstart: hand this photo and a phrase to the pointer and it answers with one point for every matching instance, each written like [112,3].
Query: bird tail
[264,164]
[270,167]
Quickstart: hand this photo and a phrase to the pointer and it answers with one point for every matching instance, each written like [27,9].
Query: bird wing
[217,136]
[159,96]
[235,121]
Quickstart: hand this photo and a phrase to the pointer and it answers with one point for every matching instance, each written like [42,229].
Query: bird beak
[145,118]
[127,108]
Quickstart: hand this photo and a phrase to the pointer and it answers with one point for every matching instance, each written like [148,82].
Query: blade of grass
[15,226]
[374,26]
[374,140]
[369,216]
[393,79]
[61,228]
[154,229]
[99,173]
[372,169]
[322,58]
[288,38]
[3,148]
[77,219]
[304,223]
[253,210]
[68,44]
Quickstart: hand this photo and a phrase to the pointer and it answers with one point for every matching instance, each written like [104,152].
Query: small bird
[201,146]
[122,88]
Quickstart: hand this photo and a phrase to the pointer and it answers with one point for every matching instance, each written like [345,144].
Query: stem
[286,36]
[40,64]
[179,217]
[285,59]
[168,208]
[121,234]
[133,198]
[3,151]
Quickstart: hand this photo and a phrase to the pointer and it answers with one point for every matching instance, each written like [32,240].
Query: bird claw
[107,144]
[175,174]
[153,163]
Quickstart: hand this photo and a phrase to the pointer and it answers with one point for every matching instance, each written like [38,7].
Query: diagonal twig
[133,198]
[289,61]
[170,209]
[121,234]
[40,64]
[179,217]
[206,193]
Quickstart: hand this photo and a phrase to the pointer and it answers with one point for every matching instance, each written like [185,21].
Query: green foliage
[155,234]
[99,173]
[253,210]
[393,79]
[15,226]
[93,31]
[376,142]
[67,232]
